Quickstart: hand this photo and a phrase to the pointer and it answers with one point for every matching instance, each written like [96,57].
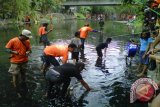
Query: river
[109,82]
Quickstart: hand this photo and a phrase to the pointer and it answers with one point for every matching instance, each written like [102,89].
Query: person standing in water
[104,46]
[99,48]
[83,35]
[76,40]
[19,48]
[43,31]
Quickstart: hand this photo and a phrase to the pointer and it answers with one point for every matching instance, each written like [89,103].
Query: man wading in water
[19,48]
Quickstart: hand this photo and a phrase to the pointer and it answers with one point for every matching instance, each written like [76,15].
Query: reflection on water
[108,80]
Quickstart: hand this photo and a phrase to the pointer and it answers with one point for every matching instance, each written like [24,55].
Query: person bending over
[101,46]
[61,76]
[52,51]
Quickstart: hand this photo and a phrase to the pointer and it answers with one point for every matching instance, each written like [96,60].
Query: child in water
[76,40]
[103,46]
[132,48]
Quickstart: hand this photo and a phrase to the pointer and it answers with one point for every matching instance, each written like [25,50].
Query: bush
[79,15]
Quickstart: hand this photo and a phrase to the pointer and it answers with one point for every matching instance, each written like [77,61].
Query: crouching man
[61,76]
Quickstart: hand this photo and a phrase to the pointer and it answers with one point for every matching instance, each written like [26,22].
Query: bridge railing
[96,0]
[92,2]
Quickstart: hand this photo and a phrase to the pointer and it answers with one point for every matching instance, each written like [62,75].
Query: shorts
[75,55]
[50,60]
[44,40]
[16,69]
[131,53]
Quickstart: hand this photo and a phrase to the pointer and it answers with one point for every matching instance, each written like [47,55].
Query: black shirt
[102,46]
[68,70]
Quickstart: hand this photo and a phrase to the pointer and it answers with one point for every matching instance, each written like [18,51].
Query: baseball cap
[143,90]
[26,33]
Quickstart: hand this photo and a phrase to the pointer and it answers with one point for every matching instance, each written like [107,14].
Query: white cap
[26,33]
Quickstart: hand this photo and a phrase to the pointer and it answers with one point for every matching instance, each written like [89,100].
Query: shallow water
[109,81]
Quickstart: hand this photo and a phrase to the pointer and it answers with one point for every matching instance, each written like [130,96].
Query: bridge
[92,3]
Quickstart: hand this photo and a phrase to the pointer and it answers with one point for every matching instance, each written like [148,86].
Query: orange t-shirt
[155,3]
[16,45]
[158,1]
[84,31]
[57,51]
[42,31]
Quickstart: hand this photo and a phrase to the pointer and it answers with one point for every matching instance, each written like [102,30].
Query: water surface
[109,82]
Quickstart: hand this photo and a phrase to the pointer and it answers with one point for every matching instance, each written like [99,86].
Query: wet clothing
[61,75]
[100,47]
[21,47]
[43,36]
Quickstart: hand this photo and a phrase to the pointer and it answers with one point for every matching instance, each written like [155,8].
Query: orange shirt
[57,51]
[158,1]
[16,45]
[42,31]
[155,3]
[84,31]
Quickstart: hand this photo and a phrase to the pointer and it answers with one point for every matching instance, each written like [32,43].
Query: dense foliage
[19,8]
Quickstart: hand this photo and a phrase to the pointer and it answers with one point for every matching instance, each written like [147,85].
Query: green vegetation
[79,15]
[17,9]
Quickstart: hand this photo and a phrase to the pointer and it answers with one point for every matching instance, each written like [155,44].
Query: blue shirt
[132,46]
[145,43]
[131,49]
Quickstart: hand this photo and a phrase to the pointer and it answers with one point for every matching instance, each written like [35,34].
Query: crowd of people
[144,92]
[54,72]
[57,74]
